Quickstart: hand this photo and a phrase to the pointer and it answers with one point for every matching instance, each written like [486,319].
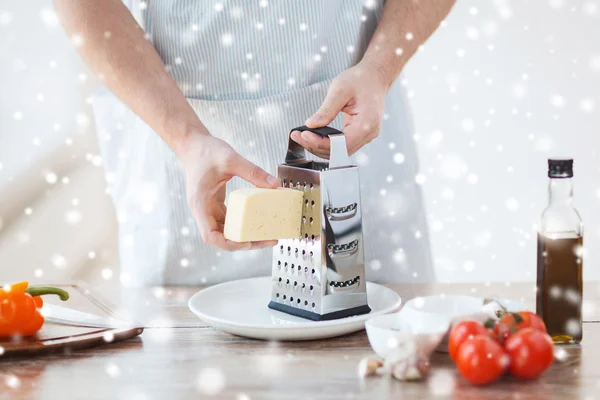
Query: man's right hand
[209,164]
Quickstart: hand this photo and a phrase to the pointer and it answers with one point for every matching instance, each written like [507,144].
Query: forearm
[114,47]
[404,26]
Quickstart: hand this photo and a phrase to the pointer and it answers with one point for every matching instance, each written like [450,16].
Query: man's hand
[359,93]
[209,163]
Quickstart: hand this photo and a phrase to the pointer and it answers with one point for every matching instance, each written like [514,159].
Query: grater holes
[284,296]
[312,203]
[287,281]
[306,270]
[313,304]
[284,182]
[311,220]
[299,269]
[305,301]
[277,295]
[298,301]
[291,299]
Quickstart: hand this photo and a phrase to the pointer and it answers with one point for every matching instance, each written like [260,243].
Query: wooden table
[179,357]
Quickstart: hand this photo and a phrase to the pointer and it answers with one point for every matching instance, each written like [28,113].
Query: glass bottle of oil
[559,258]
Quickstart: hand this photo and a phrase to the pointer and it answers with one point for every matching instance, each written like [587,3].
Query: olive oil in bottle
[559,258]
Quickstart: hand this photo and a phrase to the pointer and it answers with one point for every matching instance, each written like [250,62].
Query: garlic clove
[368,367]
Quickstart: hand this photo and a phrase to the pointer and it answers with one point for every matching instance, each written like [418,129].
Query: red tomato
[531,353]
[508,325]
[481,360]
[461,332]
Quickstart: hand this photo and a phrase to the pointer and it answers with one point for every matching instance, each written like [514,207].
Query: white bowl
[390,333]
[456,308]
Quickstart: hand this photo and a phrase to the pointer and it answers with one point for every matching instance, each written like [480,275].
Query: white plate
[240,307]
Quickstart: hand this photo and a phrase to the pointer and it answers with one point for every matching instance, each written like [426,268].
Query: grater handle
[338,157]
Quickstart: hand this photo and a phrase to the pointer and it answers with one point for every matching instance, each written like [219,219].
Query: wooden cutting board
[65,338]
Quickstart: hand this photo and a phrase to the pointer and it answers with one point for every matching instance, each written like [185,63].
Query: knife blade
[67,316]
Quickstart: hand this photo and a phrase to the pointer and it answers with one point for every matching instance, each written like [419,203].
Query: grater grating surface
[320,275]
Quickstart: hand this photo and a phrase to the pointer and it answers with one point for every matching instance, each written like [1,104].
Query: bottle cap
[560,167]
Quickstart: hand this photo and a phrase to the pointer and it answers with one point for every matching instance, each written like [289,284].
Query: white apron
[252,70]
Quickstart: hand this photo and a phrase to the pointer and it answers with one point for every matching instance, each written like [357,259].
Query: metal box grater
[321,274]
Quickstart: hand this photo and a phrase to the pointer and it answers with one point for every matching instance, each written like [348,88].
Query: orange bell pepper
[20,308]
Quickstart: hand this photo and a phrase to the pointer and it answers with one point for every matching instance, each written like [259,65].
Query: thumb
[333,104]
[254,174]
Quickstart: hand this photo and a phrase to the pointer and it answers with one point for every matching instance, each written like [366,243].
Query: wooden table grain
[179,357]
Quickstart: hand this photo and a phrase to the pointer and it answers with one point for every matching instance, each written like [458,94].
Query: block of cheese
[263,214]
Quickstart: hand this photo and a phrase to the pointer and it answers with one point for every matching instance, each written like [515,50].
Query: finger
[312,142]
[253,173]
[217,239]
[334,102]
[359,134]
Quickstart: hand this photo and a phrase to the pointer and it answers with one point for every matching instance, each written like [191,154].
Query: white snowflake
[112,370]
[590,8]
[519,90]
[587,105]
[58,261]
[573,327]
[468,124]
[227,39]
[236,13]
[469,266]
[108,337]
[453,166]
[512,204]
[400,256]
[38,273]
[72,217]
[472,178]
[556,4]
[107,273]
[375,265]
[12,381]
[77,40]
[399,158]
[219,7]
[557,101]
[441,383]
[5,17]
[472,33]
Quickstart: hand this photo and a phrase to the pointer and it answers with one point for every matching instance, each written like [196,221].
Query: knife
[67,316]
